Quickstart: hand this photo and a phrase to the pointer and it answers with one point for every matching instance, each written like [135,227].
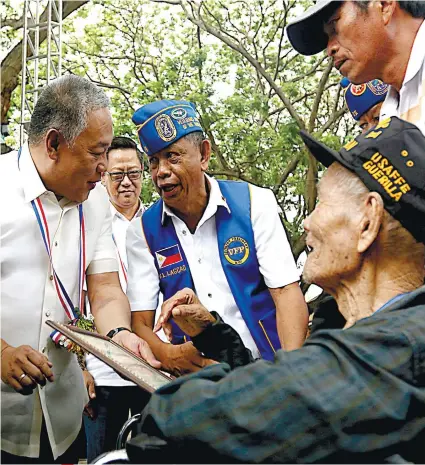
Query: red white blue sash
[123,267]
[63,296]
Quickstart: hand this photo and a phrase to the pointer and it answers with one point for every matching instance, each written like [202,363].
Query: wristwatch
[112,332]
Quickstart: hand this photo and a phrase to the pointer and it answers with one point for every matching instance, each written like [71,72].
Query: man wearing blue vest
[223,239]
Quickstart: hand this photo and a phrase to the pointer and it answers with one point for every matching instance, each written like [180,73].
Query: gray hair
[64,105]
[195,138]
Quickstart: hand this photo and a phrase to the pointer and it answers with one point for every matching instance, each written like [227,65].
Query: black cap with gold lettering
[390,160]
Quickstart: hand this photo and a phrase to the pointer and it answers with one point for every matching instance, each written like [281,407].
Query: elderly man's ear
[205,154]
[52,142]
[371,221]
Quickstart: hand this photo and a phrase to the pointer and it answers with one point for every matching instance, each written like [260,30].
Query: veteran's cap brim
[306,33]
[320,151]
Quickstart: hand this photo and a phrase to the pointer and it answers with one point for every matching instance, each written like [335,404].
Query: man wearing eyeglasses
[111,397]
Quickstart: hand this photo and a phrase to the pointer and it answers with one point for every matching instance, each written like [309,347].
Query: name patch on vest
[172,272]
[168,256]
[236,250]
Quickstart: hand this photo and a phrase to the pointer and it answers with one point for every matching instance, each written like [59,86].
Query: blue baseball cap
[361,98]
[160,124]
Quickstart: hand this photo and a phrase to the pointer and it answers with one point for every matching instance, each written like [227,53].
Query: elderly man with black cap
[223,239]
[348,395]
[369,40]
[364,102]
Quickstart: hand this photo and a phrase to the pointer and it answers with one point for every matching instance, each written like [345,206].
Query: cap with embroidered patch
[390,160]
[306,32]
[361,98]
[160,124]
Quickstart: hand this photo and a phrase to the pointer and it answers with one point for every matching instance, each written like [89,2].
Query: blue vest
[238,258]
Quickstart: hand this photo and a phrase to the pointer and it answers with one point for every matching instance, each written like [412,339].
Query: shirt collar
[416,55]
[215,200]
[33,185]
[31,182]
[116,213]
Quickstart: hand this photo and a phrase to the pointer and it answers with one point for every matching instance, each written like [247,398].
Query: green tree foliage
[253,91]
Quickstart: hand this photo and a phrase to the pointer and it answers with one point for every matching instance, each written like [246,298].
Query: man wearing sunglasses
[111,397]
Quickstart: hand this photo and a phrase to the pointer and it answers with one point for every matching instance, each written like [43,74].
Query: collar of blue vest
[215,201]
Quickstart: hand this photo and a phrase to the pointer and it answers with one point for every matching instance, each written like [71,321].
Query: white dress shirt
[409,103]
[29,298]
[274,254]
[103,374]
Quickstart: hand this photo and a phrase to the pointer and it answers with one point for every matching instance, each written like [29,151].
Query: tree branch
[319,93]
[290,168]
[241,50]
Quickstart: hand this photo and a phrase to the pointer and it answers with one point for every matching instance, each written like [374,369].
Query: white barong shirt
[29,298]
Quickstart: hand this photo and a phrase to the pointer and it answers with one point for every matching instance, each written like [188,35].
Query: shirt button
[51,277]
[43,350]
[56,244]
[184,232]
[210,295]
[47,313]
[199,260]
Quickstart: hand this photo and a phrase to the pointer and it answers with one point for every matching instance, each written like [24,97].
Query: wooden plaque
[122,360]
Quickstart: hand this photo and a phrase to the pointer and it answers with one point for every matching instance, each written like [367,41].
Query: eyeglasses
[118,176]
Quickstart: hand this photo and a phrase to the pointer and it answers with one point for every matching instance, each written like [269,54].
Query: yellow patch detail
[236,245]
[381,169]
[376,132]
[350,145]
[172,272]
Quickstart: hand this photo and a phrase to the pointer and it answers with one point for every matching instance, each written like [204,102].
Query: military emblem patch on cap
[358,90]
[378,87]
[179,113]
[360,98]
[165,128]
[162,123]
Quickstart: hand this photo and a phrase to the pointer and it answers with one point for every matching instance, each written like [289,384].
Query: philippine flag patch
[168,256]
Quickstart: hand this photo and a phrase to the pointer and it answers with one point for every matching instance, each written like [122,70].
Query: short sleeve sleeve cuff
[105,265]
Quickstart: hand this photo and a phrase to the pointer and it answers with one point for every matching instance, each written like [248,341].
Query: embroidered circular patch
[377,86]
[236,250]
[165,128]
[179,113]
[358,90]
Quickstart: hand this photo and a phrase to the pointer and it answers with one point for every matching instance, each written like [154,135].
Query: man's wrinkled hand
[192,319]
[137,345]
[23,368]
[187,311]
[182,359]
[90,386]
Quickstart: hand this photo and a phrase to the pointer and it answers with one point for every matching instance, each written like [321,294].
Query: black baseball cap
[306,33]
[390,160]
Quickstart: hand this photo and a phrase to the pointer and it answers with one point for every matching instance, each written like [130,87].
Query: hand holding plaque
[122,360]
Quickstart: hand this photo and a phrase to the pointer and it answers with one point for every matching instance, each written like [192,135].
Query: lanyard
[123,267]
[63,296]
